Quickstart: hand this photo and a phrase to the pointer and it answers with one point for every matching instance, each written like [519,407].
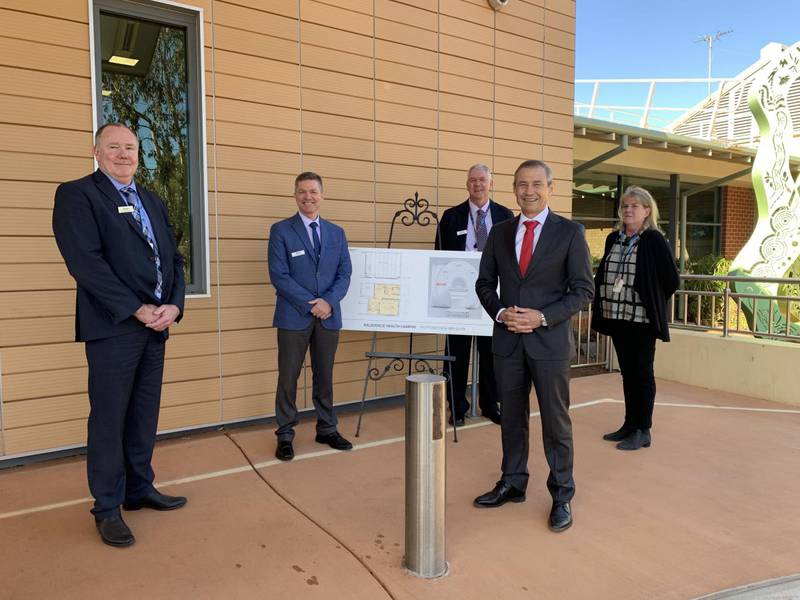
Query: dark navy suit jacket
[456,218]
[109,257]
[558,282]
[298,277]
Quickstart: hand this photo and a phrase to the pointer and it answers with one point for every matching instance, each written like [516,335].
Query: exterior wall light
[498,4]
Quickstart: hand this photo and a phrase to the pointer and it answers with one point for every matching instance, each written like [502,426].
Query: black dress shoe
[334,440]
[494,418]
[560,517]
[156,501]
[284,451]
[503,492]
[115,532]
[640,438]
[619,434]
[460,421]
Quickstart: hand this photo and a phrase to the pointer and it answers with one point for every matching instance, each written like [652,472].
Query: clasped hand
[521,320]
[320,308]
[157,318]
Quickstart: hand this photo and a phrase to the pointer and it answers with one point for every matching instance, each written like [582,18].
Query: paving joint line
[375,444]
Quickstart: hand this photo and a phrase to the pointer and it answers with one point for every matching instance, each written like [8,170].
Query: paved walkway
[712,505]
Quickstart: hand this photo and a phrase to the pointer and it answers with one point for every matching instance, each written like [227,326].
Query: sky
[656,38]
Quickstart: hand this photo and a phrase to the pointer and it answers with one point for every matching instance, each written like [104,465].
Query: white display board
[414,291]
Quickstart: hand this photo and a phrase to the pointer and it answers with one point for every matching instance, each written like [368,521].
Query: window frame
[190,18]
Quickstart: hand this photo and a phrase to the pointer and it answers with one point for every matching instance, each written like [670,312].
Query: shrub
[710,264]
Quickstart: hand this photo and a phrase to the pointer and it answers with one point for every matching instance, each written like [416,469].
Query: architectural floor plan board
[414,291]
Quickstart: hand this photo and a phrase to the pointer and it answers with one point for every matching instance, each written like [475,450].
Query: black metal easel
[414,212]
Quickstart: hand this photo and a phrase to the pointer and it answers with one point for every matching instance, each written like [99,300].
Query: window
[703,224]
[594,205]
[595,202]
[148,75]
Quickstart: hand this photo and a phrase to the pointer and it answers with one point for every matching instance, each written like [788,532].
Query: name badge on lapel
[298,253]
[462,232]
[124,209]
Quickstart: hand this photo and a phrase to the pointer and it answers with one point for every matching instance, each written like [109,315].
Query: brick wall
[738,218]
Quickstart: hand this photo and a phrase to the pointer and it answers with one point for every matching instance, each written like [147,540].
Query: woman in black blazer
[634,280]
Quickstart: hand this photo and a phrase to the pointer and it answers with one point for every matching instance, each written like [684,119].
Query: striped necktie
[132,199]
[480,231]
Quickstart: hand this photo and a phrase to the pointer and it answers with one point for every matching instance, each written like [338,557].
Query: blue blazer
[297,276]
[109,257]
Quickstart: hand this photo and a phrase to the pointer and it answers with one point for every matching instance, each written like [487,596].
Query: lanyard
[627,247]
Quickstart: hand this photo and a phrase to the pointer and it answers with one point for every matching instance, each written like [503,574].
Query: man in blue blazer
[309,267]
[117,243]
[465,227]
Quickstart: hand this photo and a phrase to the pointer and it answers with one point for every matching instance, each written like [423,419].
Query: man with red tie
[543,266]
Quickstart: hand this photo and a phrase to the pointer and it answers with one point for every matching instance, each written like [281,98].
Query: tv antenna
[709,40]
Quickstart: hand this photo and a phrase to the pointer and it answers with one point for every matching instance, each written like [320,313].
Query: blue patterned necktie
[317,243]
[480,231]
[132,199]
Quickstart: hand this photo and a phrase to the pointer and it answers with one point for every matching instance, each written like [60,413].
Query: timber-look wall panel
[383,98]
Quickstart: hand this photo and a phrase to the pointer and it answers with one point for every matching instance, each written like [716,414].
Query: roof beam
[716,182]
[623,146]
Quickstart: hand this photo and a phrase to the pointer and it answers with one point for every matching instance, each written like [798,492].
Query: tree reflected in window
[144,85]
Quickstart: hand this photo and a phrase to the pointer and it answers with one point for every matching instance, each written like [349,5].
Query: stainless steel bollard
[425,470]
[473,409]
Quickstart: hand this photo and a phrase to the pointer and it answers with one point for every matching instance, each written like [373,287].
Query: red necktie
[527,247]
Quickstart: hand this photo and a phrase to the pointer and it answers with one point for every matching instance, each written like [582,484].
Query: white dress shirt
[537,232]
[540,218]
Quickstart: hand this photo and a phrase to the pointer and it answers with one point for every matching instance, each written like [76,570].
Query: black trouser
[460,347]
[125,374]
[635,344]
[292,346]
[550,379]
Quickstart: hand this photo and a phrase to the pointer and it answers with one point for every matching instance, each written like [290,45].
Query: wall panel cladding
[384,98]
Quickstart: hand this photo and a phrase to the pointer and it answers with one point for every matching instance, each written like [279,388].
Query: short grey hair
[644,198]
[480,167]
[535,164]
[99,133]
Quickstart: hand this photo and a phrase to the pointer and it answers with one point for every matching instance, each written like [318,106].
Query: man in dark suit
[466,227]
[542,263]
[116,241]
[309,267]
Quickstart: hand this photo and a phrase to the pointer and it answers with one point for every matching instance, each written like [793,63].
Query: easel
[414,212]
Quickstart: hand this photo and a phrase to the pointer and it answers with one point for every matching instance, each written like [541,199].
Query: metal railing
[592,349]
[729,312]
[702,310]
[650,113]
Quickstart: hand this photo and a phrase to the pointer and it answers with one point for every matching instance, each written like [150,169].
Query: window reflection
[144,85]
[595,201]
